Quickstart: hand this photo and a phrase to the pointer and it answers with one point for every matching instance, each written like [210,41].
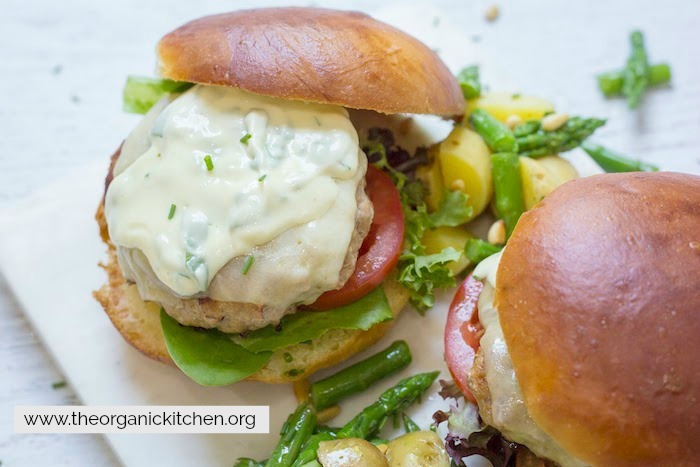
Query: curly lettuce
[419,272]
[468,435]
[141,93]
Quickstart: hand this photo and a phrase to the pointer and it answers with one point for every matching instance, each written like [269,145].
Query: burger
[578,342]
[248,238]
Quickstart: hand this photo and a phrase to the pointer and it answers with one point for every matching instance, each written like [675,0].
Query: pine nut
[513,120]
[497,233]
[492,13]
[552,122]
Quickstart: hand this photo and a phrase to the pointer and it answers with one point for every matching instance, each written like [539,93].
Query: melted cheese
[295,177]
[510,414]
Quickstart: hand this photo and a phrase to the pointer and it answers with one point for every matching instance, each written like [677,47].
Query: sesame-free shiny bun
[315,55]
[598,293]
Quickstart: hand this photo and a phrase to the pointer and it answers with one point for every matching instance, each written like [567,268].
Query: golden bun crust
[598,295]
[139,324]
[315,55]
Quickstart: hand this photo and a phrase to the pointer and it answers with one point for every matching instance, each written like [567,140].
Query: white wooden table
[64,63]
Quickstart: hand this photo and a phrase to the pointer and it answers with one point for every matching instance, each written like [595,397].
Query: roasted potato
[443,237]
[503,104]
[417,449]
[465,162]
[350,452]
[559,167]
[541,176]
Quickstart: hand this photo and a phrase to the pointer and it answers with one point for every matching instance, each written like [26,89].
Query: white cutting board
[50,249]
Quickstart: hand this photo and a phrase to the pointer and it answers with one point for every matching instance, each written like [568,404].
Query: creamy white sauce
[509,412]
[301,162]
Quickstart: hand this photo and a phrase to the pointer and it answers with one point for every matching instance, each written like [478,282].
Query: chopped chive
[208,162]
[248,263]
[245,138]
[262,178]
[294,372]
[59,385]
[172,211]
[288,357]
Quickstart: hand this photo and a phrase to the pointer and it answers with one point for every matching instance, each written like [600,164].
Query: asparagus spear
[526,128]
[393,400]
[636,74]
[373,417]
[308,453]
[612,162]
[496,135]
[468,80]
[248,462]
[409,425]
[377,441]
[295,432]
[507,188]
[610,83]
[360,376]
[478,250]
[533,141]
[326,429]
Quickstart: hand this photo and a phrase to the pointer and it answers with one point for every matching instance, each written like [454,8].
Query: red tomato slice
[381,248]
[462,333]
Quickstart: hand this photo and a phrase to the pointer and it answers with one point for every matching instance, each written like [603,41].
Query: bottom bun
[138,322]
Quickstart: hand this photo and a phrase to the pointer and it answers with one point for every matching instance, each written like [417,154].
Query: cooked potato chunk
[503,104]
[417,449]
[559,167]
[350,452]
[465,161]
[541,176]
[443,237]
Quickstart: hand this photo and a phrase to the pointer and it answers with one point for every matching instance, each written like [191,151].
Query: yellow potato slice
[442,237]
[541,176]
[465,161]
[559,167]
[504,104]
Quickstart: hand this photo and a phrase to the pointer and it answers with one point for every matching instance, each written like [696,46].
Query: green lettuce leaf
[209,356]
[302,326]
[453,210]
[418,272]
[141,93]
[477,250]
[422,274]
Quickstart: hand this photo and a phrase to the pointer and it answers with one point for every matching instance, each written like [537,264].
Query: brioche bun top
[598,294]
[315,55]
